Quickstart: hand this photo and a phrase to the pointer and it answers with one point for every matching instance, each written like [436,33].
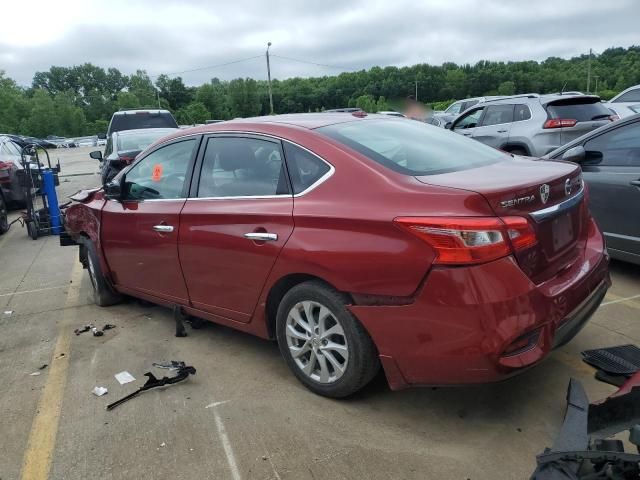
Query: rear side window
[305,168]
[578,109]
[137,120]
[497,114]
[521,112]
[619,147]
[242,167]
[411,147]
[630,96]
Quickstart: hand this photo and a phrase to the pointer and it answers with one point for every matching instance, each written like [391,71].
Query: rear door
[140,233]
[612,171]
[579,115]
[494,125]
[233,229]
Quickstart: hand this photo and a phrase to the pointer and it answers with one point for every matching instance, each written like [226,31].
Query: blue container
[49,189]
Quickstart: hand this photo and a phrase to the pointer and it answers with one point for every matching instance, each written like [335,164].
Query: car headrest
[235,156]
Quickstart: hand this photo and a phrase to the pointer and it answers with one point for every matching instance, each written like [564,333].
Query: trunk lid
[530,188]
[588,113]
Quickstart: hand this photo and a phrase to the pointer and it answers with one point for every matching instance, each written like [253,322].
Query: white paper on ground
[99,391]
[124,377]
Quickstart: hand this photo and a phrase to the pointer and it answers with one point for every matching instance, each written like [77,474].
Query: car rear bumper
[484,323]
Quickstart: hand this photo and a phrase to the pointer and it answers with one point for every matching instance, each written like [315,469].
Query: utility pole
[589,72]
[158,95]
[269,78]
[416,90]
[596,77]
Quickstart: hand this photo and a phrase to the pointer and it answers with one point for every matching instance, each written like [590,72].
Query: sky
[171,36]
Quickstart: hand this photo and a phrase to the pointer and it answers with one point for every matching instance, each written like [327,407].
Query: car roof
[544,99]
[605,128]
[633,87]
[144,130]
[140,110]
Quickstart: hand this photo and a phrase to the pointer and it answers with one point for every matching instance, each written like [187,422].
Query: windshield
[139,120]
[412,147]
[140,141]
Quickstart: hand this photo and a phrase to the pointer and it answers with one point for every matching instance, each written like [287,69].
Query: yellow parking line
[42,439]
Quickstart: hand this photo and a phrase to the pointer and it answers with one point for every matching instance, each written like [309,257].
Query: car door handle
[502,131]
[467,134]
[261,236]
[163,228]
[635,183]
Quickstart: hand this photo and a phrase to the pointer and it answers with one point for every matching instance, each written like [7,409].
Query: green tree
[507,88]
[195,112]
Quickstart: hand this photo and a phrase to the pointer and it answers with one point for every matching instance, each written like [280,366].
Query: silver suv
[532,124]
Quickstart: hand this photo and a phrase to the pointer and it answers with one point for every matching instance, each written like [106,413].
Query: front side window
[497,114]
[242,167]
[620,147]
[470,120]
[305,169]
[412,148]
[161,174]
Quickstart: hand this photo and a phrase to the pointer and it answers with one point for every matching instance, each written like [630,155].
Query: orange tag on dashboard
[157,173]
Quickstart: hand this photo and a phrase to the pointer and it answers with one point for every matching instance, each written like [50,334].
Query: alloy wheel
[317,342]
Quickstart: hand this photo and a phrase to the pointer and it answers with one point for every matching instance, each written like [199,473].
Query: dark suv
[533,124]
[143,118]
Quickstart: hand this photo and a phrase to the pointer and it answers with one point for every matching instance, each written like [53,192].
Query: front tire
[103,293]
[324,345]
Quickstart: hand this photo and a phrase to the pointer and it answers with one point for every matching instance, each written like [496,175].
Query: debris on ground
[171,365]
[94,330]
[153,382]
[8,313]
[99,391]
[124,377]
[43,366]
[60,356]
[34,374]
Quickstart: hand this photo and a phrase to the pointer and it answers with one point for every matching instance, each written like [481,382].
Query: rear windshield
[140,141]
[412,147]
[578,109]
[137,120]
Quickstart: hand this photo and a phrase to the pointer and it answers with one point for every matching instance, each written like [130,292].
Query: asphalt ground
[244,415]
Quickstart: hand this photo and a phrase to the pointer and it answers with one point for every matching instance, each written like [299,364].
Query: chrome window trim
[550,212]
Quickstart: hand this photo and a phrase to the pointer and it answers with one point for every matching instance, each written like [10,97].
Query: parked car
[122,148]
[140,118]
[344,110]
[610,161]
[533,124]
[356,241]
[10,165]
[39,142]
[456,108]
[626,103]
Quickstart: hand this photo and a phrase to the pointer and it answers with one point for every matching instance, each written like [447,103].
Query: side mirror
[576,154]
[97,155]
[448,125]
[113,189]
[102,136]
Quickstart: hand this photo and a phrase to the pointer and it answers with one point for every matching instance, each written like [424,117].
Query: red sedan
[355,241]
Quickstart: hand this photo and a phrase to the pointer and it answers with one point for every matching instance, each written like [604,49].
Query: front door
[233,230]
[140,232]
[467,123]
[612,171]
[493,128]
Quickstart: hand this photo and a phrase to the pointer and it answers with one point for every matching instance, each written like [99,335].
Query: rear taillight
[560,122]
[470,240]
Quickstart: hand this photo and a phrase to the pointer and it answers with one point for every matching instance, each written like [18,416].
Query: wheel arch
[509,146]
[280,288]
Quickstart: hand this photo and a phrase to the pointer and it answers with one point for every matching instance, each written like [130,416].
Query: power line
[311,63]
[210,66]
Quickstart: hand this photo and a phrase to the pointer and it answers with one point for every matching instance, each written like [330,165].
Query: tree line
[79,100]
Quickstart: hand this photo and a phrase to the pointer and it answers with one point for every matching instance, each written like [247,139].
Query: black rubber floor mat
[620,360]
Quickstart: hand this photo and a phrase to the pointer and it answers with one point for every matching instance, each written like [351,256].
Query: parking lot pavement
[243,415]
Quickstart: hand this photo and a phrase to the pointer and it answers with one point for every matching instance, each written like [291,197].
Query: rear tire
[4,216]
[32,229]
[324,345]
[103,293]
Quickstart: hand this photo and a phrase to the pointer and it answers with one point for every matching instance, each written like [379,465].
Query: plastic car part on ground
[582,449]
[153,382]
